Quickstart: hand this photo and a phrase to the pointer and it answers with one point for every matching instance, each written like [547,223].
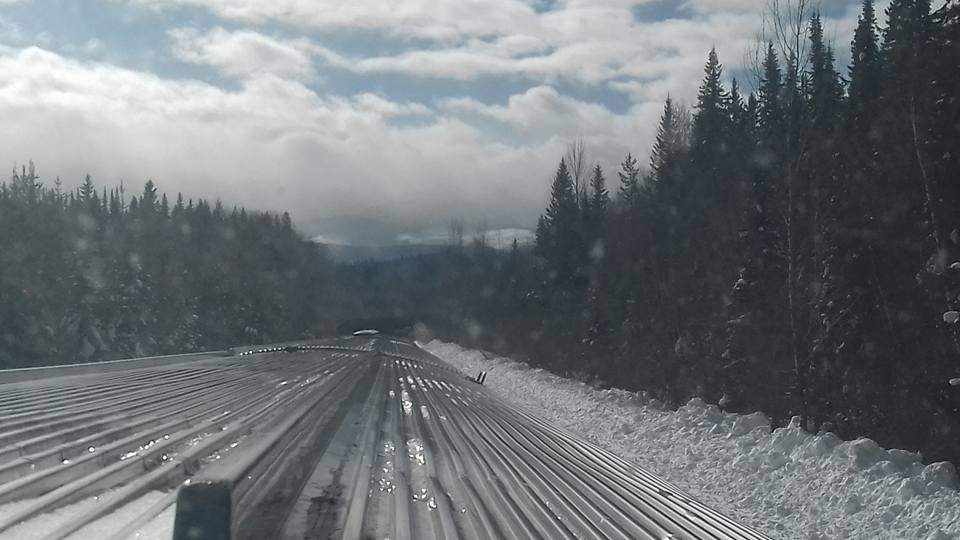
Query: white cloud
[437,19]
[590,45]
[386,108]
[273,143]
[543,114]
[708,7]
[590,41]
[242,53]
[595,42]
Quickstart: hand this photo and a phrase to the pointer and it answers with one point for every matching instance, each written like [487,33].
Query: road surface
[361,437]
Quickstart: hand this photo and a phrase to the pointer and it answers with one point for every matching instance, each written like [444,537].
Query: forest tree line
[90,274]
[793,250]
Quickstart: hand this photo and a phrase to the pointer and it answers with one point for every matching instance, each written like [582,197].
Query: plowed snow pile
[786,483]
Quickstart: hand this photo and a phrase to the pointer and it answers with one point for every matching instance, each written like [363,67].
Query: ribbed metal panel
[354,438]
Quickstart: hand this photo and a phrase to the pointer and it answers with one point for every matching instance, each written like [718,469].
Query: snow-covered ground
[786,483]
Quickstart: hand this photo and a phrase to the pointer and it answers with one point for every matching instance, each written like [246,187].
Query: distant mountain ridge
[341,253]
[411,245]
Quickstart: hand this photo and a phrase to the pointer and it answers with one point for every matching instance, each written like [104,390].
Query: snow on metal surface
[354,438]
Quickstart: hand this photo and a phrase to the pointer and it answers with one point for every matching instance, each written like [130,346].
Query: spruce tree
[711,119]
[599,200]
[669,153]
[87,189]
[561,219]
[864,73]
[770,98]
[629,191]
[824,83]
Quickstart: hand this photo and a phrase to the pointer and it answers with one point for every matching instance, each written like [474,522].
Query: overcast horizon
[371,123]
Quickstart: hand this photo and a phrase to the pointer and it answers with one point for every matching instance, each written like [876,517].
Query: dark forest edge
[87,276]
[794,251]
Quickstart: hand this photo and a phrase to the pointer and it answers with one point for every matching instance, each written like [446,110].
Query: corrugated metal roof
[363,437]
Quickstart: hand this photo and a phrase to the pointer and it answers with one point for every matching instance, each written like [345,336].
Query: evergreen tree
[770,99]
[599,201]
[669,153]
[148,201]
[864,72]
[99,285]
[87,189]
[711,118]
[757,338]
[629,192]
[543,241]
[562,220]
[824,82]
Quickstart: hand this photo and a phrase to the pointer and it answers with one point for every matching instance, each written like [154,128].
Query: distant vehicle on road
[394,326]
[366,332]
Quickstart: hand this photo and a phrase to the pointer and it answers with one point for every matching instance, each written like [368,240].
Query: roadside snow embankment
[786,482]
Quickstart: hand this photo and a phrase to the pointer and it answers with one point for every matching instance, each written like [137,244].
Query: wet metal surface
[357,438]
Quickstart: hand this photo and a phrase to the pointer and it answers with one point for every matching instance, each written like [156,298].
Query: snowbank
[786,483]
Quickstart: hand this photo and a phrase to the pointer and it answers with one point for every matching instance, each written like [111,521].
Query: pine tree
[101,284]
[710,193]
[669,152]
[770,99]
[742,140]
[851,334]
[822,213]
[543,243]
[757,340]
[562,220]
[562,199]
[861,130]
[147,204]
[663,147]
[711,119]
[735,105]
[825,89]
[599,201]
[87,189]
[864,72]
[629,191]
[115,203]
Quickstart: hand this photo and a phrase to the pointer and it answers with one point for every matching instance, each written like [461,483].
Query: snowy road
[358,438]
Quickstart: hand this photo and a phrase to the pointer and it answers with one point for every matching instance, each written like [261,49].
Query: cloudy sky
[368,120]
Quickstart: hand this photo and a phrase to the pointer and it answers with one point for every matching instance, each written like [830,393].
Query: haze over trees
[91,275]
[795,250]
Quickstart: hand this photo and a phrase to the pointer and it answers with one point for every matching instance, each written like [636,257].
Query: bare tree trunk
[788,19]
[785,24]
[576,158]
[927,185]
[799,369]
